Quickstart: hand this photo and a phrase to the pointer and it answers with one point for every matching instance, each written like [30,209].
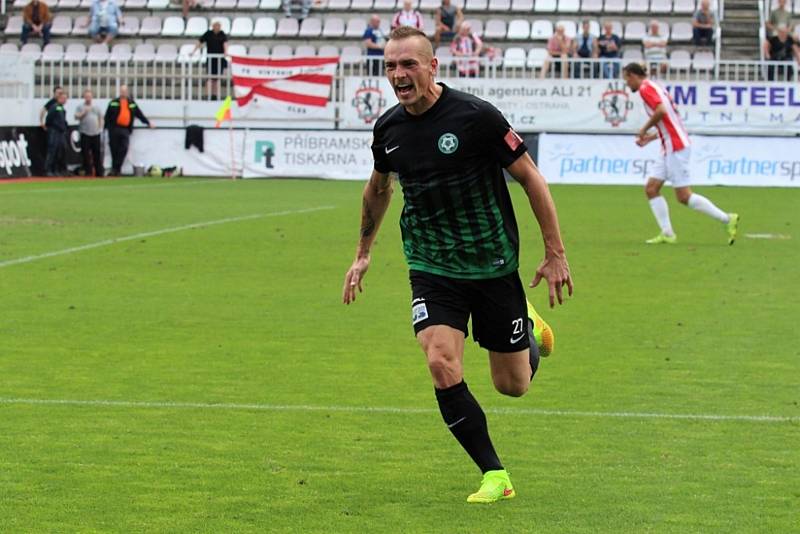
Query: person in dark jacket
[119,122]
[56,124]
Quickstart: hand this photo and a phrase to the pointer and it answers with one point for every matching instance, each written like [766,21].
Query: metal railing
[187,80]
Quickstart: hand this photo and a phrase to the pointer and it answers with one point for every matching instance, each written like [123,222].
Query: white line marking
[107,187]
[107,242]
[394,410]
[768,236]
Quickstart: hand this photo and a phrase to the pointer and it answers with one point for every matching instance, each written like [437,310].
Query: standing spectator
[90,125]
[374,41]
[447,19]
[305,8]
[105,18]
[216,48]
[655,48]
[408,16]
[119,123]
[36,20]
[47,105]
[781,47]
[610,47]
[56,125]
[703,25]
[558,46]
[779,15]
[584,46]
[467,44]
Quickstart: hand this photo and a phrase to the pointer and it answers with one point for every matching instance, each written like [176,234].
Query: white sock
[661,213]
[703,205]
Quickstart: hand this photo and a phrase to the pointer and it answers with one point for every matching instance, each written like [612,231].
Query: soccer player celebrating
[461,240]
[674,163]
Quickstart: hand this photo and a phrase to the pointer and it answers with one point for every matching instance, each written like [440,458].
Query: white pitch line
[115,187]
[768,236]
[394,410]
[107,242]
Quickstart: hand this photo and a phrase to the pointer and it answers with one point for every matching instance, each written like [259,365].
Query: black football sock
[534,354]
[464,417]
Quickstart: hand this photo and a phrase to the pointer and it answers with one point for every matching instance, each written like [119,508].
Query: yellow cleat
[495,486]
[545,339]
[662,239]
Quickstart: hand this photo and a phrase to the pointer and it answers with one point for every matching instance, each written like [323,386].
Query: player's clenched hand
[555,270]
[353,278]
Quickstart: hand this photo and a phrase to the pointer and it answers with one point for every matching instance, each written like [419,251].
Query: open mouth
[404,89]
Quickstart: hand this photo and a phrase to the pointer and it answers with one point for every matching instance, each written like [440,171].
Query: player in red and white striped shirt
[674,163]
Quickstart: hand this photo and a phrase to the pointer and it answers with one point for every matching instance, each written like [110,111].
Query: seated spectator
[216,48]
[655,48]
[467,44]
[408,16]
[558,46]
[187,5]
[781,47]
[374,41]
[447,19]
[779,15]
[703,25]
[584,46]
[36,20]
[610,47]
[305,7]
[104,20]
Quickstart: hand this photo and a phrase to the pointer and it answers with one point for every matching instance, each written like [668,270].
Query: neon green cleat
[545,339]
[495,486]
[732,227]
[663,239]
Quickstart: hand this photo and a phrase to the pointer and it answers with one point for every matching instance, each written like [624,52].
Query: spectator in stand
[559,47]
[447,19]
[374,41]
[408,16]
[584,46]
[217,48]
[781,47]
[610,47]
[36,20]
[655,48]
[56,125]
[703,25]
[105,18]
[466,48]
[47,105]
[119,122]
[187,5]
[779,15]
[305,8]
[90,126]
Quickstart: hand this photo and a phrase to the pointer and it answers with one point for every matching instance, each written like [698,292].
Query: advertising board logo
[369,101]
[265,151]
[615,104]
[14,153]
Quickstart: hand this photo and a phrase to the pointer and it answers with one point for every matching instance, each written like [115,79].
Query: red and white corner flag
[304,81]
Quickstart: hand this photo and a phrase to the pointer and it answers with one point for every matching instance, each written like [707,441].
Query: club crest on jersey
[448,143]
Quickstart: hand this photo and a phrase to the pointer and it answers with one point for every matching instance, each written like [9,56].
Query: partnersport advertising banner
[715,160]
[603,106]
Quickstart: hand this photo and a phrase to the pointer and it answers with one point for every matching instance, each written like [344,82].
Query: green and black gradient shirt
[457,219]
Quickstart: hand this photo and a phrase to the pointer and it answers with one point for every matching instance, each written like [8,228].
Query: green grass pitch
[325,419]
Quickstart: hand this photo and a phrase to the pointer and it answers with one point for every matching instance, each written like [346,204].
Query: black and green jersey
[457,219]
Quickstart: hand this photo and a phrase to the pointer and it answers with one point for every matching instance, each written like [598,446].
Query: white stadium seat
[680,60]
[328,51]
[265,27]
[247,5]
[444,55]
[80,27]
[121,53]
[360,5]
[683,7]
[632,54]
[167,53]
[242,27]
[681,31]
[14,25]
[31,50]
[505,5]
[195,26]
[224,23]
[475,6]
[635,30]
[281,51]
[150,26]
[569,6]
[62,25]
[53,52]
[616,28]
[338,5]
[98,52]
[384,5]
[305,51]
[236,49]
[476,25]
[311,28]
[69,4]
[287,28]
[19,4]
[259,51]
[334,27]
[703,60]
[614,6]
[429,5]
[8,48]
[270,4]
[638,6]
[86,4]
[157,4]
[592,6]
[75,52]
[430,25]
[129,26]
[495,29]
[135,4]
[541,30]
[144,53]
[536,57]
[351,55]
[570,27]
[355,28]
[661,6]
[173,27]
[227,5]
[188,54]
[519,29]
[514,58]
[546,6]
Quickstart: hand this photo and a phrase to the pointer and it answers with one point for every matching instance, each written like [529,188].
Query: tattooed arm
[377,195]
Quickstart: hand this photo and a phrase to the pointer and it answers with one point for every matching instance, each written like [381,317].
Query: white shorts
[673,168]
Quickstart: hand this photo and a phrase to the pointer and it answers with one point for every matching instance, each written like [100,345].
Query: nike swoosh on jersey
[390,150]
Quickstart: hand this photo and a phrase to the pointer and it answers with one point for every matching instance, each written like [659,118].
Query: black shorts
[497,305]
[216,65]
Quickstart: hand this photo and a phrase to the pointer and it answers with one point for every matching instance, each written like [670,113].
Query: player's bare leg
[444,348]
[687,197]
[660,209]
[511,372]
